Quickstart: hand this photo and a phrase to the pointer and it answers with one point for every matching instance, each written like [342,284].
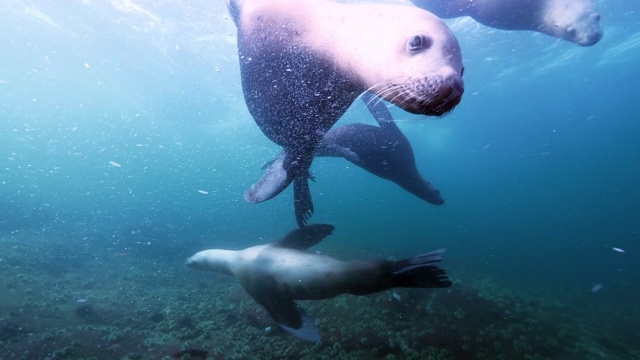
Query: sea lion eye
[418,42]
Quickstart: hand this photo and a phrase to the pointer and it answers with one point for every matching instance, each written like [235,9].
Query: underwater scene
[207,180]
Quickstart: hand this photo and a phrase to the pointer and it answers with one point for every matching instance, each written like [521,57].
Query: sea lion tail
[417,272]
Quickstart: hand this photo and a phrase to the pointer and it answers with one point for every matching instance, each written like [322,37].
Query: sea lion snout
[193,262]
[430,95]
[589,37]
[454,85]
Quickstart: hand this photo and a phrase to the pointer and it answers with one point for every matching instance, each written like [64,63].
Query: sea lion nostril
[456,86]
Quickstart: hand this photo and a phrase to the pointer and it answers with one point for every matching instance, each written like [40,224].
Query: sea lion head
[212,260]
[422,64]
[573,20]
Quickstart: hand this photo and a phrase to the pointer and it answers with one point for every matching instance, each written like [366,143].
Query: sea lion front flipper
[304,238]
[285,312]
[308,331]
[272,183]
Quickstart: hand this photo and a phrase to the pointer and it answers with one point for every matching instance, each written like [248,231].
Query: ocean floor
[62,298]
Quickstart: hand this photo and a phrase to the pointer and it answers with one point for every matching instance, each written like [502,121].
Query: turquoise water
[125,146]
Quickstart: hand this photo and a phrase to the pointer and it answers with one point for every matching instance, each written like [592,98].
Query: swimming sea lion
[381,150]
[304,62]
[278,273]
[572,20]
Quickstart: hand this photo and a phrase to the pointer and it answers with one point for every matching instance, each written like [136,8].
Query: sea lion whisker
[376,95]
[378,88]
[372,99]
[375,100]
[387,91]
[400,93]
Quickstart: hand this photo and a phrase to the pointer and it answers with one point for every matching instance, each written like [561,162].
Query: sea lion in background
[572,20]
[304,62]
[278,273]
[381,150]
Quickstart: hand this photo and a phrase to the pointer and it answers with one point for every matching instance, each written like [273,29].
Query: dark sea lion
[381,150]
[572,20]
[304,62]
[278,273]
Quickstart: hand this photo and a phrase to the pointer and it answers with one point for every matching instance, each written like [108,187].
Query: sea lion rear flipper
[304,238]
[302,201]
[285,312]
[411,180]
[274,180]
[327,148]
[418,271]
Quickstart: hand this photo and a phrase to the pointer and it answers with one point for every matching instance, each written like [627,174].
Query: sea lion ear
[304,238]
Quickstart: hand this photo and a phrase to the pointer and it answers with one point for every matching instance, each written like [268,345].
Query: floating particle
[113,163]
[203,192]
[596,287]
[617,249]
[87,65]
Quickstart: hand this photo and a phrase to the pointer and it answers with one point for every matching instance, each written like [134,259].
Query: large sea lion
[381,150]
[276,274]
[304,62]
[572,20]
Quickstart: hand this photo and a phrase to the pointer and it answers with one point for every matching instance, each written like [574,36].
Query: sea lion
[303,63]
[278,273]
[572,20]
[381,150]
